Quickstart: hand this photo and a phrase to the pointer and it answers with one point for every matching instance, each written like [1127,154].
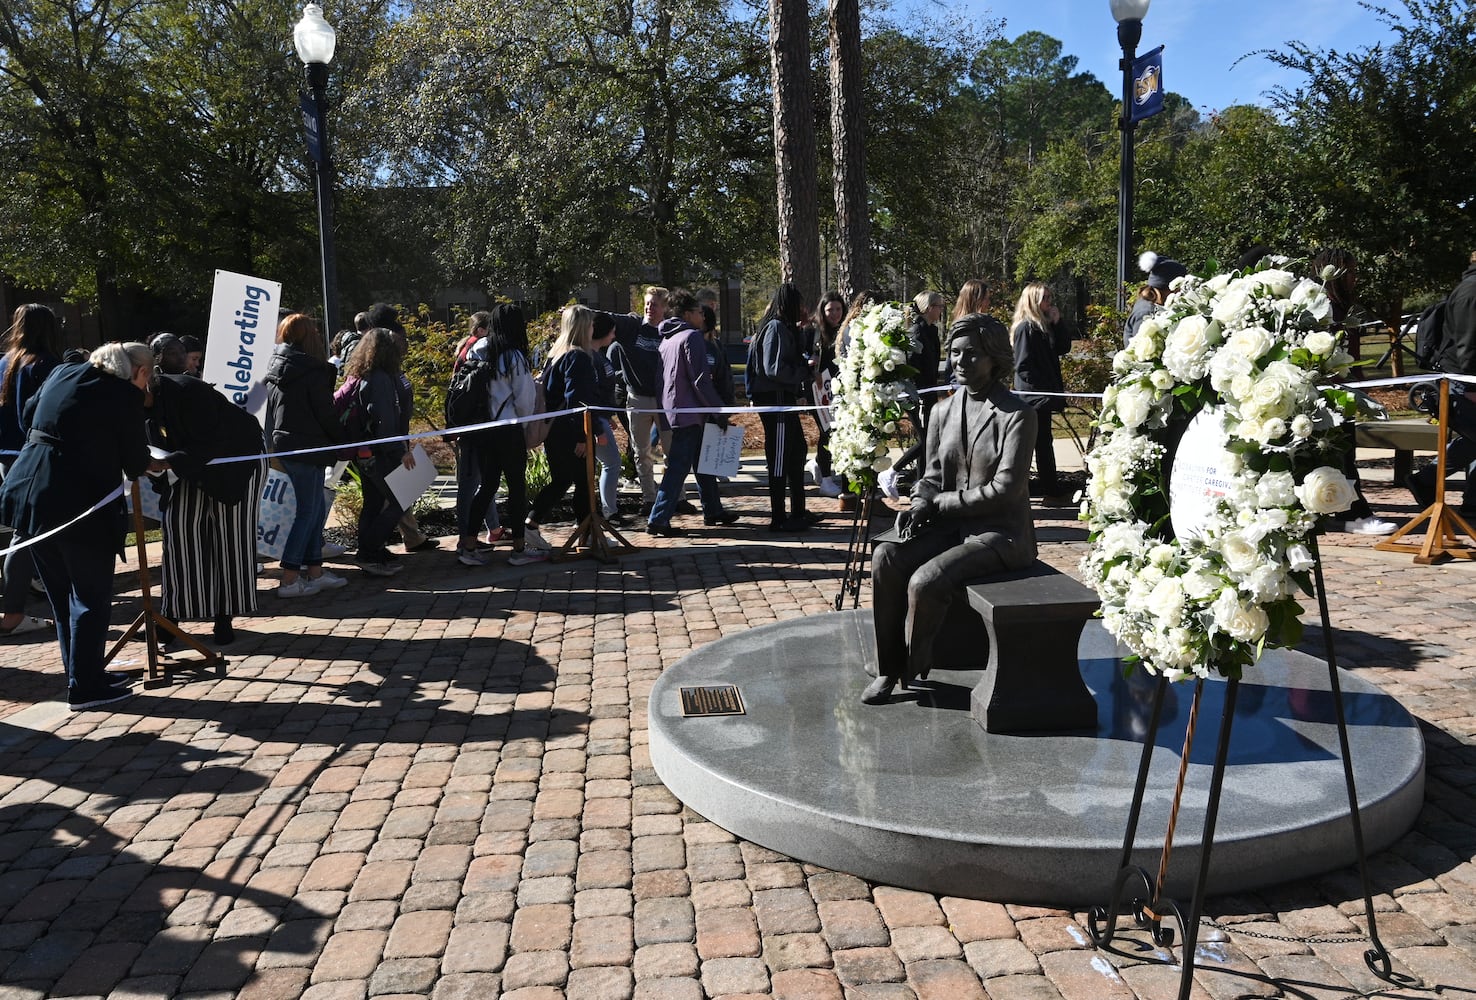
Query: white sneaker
[812,472]
[527,556]
[301,587]
[332,550]
[330,581]
[381,568]
[886,481]
[1369,526]
[470,557]
[829,487]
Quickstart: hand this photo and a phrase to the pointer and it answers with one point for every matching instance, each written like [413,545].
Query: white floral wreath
[872,391]
[1254,350]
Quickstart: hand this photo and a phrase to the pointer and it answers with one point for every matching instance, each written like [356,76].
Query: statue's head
[979,352]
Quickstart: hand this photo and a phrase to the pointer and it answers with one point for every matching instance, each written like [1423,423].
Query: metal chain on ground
[1291,938]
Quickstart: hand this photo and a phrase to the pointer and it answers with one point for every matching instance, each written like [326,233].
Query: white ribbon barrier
[725,410]
[17,546]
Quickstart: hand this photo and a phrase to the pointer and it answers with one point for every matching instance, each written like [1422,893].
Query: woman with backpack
[468,471]
[500,452]
[776,369]
[569,382]
[374,371]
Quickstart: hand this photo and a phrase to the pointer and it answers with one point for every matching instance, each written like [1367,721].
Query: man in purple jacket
[686,384]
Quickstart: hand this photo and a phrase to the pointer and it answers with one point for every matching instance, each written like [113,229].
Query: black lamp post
[1129,15]
[314,40]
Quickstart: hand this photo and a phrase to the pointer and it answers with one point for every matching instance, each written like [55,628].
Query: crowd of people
[72,427]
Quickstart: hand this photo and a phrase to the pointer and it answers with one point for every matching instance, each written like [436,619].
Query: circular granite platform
[916,794]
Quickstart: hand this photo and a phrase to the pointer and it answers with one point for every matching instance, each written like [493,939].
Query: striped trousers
[209,553]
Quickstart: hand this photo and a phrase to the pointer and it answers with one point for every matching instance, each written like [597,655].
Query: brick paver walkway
[440,787]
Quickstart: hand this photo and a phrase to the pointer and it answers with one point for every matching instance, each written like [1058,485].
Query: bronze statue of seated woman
[970,513]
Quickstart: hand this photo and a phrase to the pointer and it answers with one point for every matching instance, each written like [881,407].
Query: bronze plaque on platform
[717,699]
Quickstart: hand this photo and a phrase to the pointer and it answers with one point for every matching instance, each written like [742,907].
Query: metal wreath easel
[151,621]
[1149,906]
[855,554]
[592,537]
[1442,537]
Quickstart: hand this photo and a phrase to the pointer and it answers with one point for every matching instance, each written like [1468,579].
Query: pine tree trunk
[794,146]
[848,143]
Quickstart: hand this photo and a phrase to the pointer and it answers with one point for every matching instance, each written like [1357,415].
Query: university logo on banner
[1147,84]
[243,328]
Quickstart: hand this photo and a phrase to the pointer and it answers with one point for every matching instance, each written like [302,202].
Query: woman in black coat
[85,434]
[300,417]
[209,510]
[1040,340]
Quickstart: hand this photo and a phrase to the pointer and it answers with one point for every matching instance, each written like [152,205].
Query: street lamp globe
[314,38]
[1129,10]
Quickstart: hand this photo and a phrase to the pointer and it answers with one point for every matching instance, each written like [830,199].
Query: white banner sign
[243,327]
[278,511]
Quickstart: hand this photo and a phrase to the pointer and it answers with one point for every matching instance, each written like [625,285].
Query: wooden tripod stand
[593,535]
[151,621]
[1446,525]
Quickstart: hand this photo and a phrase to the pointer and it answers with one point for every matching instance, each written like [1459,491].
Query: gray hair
[122,360]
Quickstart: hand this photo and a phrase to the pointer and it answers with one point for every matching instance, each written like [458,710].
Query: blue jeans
[77,568]
[468,481]
[304,544]
[609,458]
[681,459]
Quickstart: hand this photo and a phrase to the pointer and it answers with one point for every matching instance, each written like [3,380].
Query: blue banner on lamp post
[1147,84]
[312,127]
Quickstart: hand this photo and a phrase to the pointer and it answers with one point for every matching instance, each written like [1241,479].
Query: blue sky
[1202,38]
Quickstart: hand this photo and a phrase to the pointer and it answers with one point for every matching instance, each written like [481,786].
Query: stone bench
[1022,630]
[1032,683]
[1405,437]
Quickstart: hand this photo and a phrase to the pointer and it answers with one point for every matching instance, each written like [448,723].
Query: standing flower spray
[873,391]
[1252,353]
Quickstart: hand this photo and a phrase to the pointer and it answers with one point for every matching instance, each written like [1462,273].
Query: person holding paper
[686,384]
[210,511]
[376,363]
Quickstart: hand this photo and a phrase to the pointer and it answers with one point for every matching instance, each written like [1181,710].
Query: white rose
[1229,305]
[1166,602]
[1239,553]
[1280,282]
[1218,283]
[1240,621]
[1161,379]
[1320,342]
[1226,366]
[1251,342]
[1199,584]
[1133,404]
[1326,491]
[1144,346]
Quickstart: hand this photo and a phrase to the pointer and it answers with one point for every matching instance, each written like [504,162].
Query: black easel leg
[1190,927]
[1377,957]
[1102,920]
[851,577]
